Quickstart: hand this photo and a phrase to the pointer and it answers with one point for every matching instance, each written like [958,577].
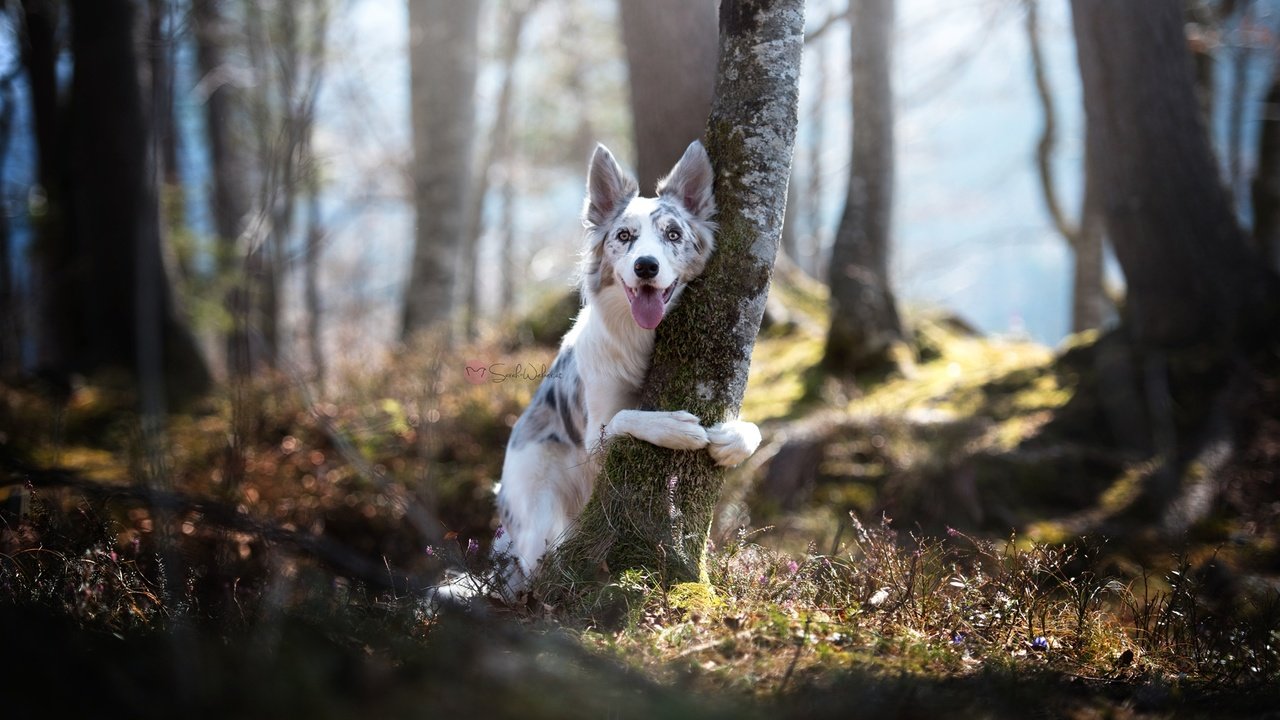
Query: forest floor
[960,539]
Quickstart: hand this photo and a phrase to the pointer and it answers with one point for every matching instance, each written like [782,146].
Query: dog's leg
[675,430]
[732,442]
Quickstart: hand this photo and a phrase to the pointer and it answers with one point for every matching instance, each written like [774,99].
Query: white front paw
[679,430]
[732,442]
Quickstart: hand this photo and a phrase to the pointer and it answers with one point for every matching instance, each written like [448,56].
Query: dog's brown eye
[624,235]
[673,235]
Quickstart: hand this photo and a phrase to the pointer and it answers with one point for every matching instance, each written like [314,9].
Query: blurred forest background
[248,249]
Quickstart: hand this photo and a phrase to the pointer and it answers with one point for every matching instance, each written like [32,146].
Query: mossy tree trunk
[652,507]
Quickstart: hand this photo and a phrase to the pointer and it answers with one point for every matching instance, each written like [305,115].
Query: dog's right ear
[609,188]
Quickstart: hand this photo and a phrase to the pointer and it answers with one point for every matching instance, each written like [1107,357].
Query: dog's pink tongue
[647,308]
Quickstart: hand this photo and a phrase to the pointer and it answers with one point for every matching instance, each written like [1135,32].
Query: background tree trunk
[229,196]
[497,153]
[57,287]
[1088,298]
[442,56]
[128,308]
[864,315]
[10,338]
[1189,271]
[671,53]
[1266,182]
[652,507]
[1198,299]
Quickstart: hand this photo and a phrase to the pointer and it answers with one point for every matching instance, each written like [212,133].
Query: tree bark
[224,107]
[671,56]
[10,340]
[1240,53]
[864,315]
[442,54]
[1189,272]
[497,153]
[128,307]
[1088,298]
[57,285]
[1199,301]
[1266,183]
[652,507]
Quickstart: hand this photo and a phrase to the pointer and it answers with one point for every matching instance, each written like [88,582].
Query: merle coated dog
[640,253]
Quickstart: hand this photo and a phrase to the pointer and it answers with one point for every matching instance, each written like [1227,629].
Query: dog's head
[645,250]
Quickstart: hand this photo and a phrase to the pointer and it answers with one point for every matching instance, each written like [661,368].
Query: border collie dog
[640,253]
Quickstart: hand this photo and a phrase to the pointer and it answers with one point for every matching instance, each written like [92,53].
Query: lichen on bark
[652,507]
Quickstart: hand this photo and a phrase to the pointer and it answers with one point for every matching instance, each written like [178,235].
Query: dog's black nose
[647,267]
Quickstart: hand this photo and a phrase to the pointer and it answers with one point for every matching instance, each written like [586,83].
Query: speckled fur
[591,391]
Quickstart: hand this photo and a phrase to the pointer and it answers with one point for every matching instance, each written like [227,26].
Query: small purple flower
[957,638]
[497,534]
[952,532]
[764,579]
[472,546]
[431,552]
[793,567]
[1040,644]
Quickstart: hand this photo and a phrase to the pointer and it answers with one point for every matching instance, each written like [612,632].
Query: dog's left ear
[691,181]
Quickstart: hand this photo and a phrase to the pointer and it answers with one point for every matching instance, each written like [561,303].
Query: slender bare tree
[225,115]
[1085,236]
[864,315]
[497,152]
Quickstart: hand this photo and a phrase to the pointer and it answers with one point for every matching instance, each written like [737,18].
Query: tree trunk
[671,56]
[1198,298]
[10,341]
[442,54]
[1089,303]
[810,258]
[864,315]
[1266,183]
[511,277]
[1202,24]
[228,169]
[1189,272]
[652,507]
[497,153]
[128,308]
[1240,53]
[1088,299]
[57,285]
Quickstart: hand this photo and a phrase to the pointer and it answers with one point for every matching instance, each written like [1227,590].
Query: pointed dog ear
[691,181]
[609,188]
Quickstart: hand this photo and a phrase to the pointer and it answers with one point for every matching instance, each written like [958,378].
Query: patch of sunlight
[1121,493]
[778,370]
[953,382]
[1048,532]
[91,463]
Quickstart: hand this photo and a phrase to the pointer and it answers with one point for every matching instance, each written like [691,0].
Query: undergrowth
[270,518]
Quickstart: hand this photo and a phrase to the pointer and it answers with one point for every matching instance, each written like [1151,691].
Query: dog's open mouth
[649,304]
